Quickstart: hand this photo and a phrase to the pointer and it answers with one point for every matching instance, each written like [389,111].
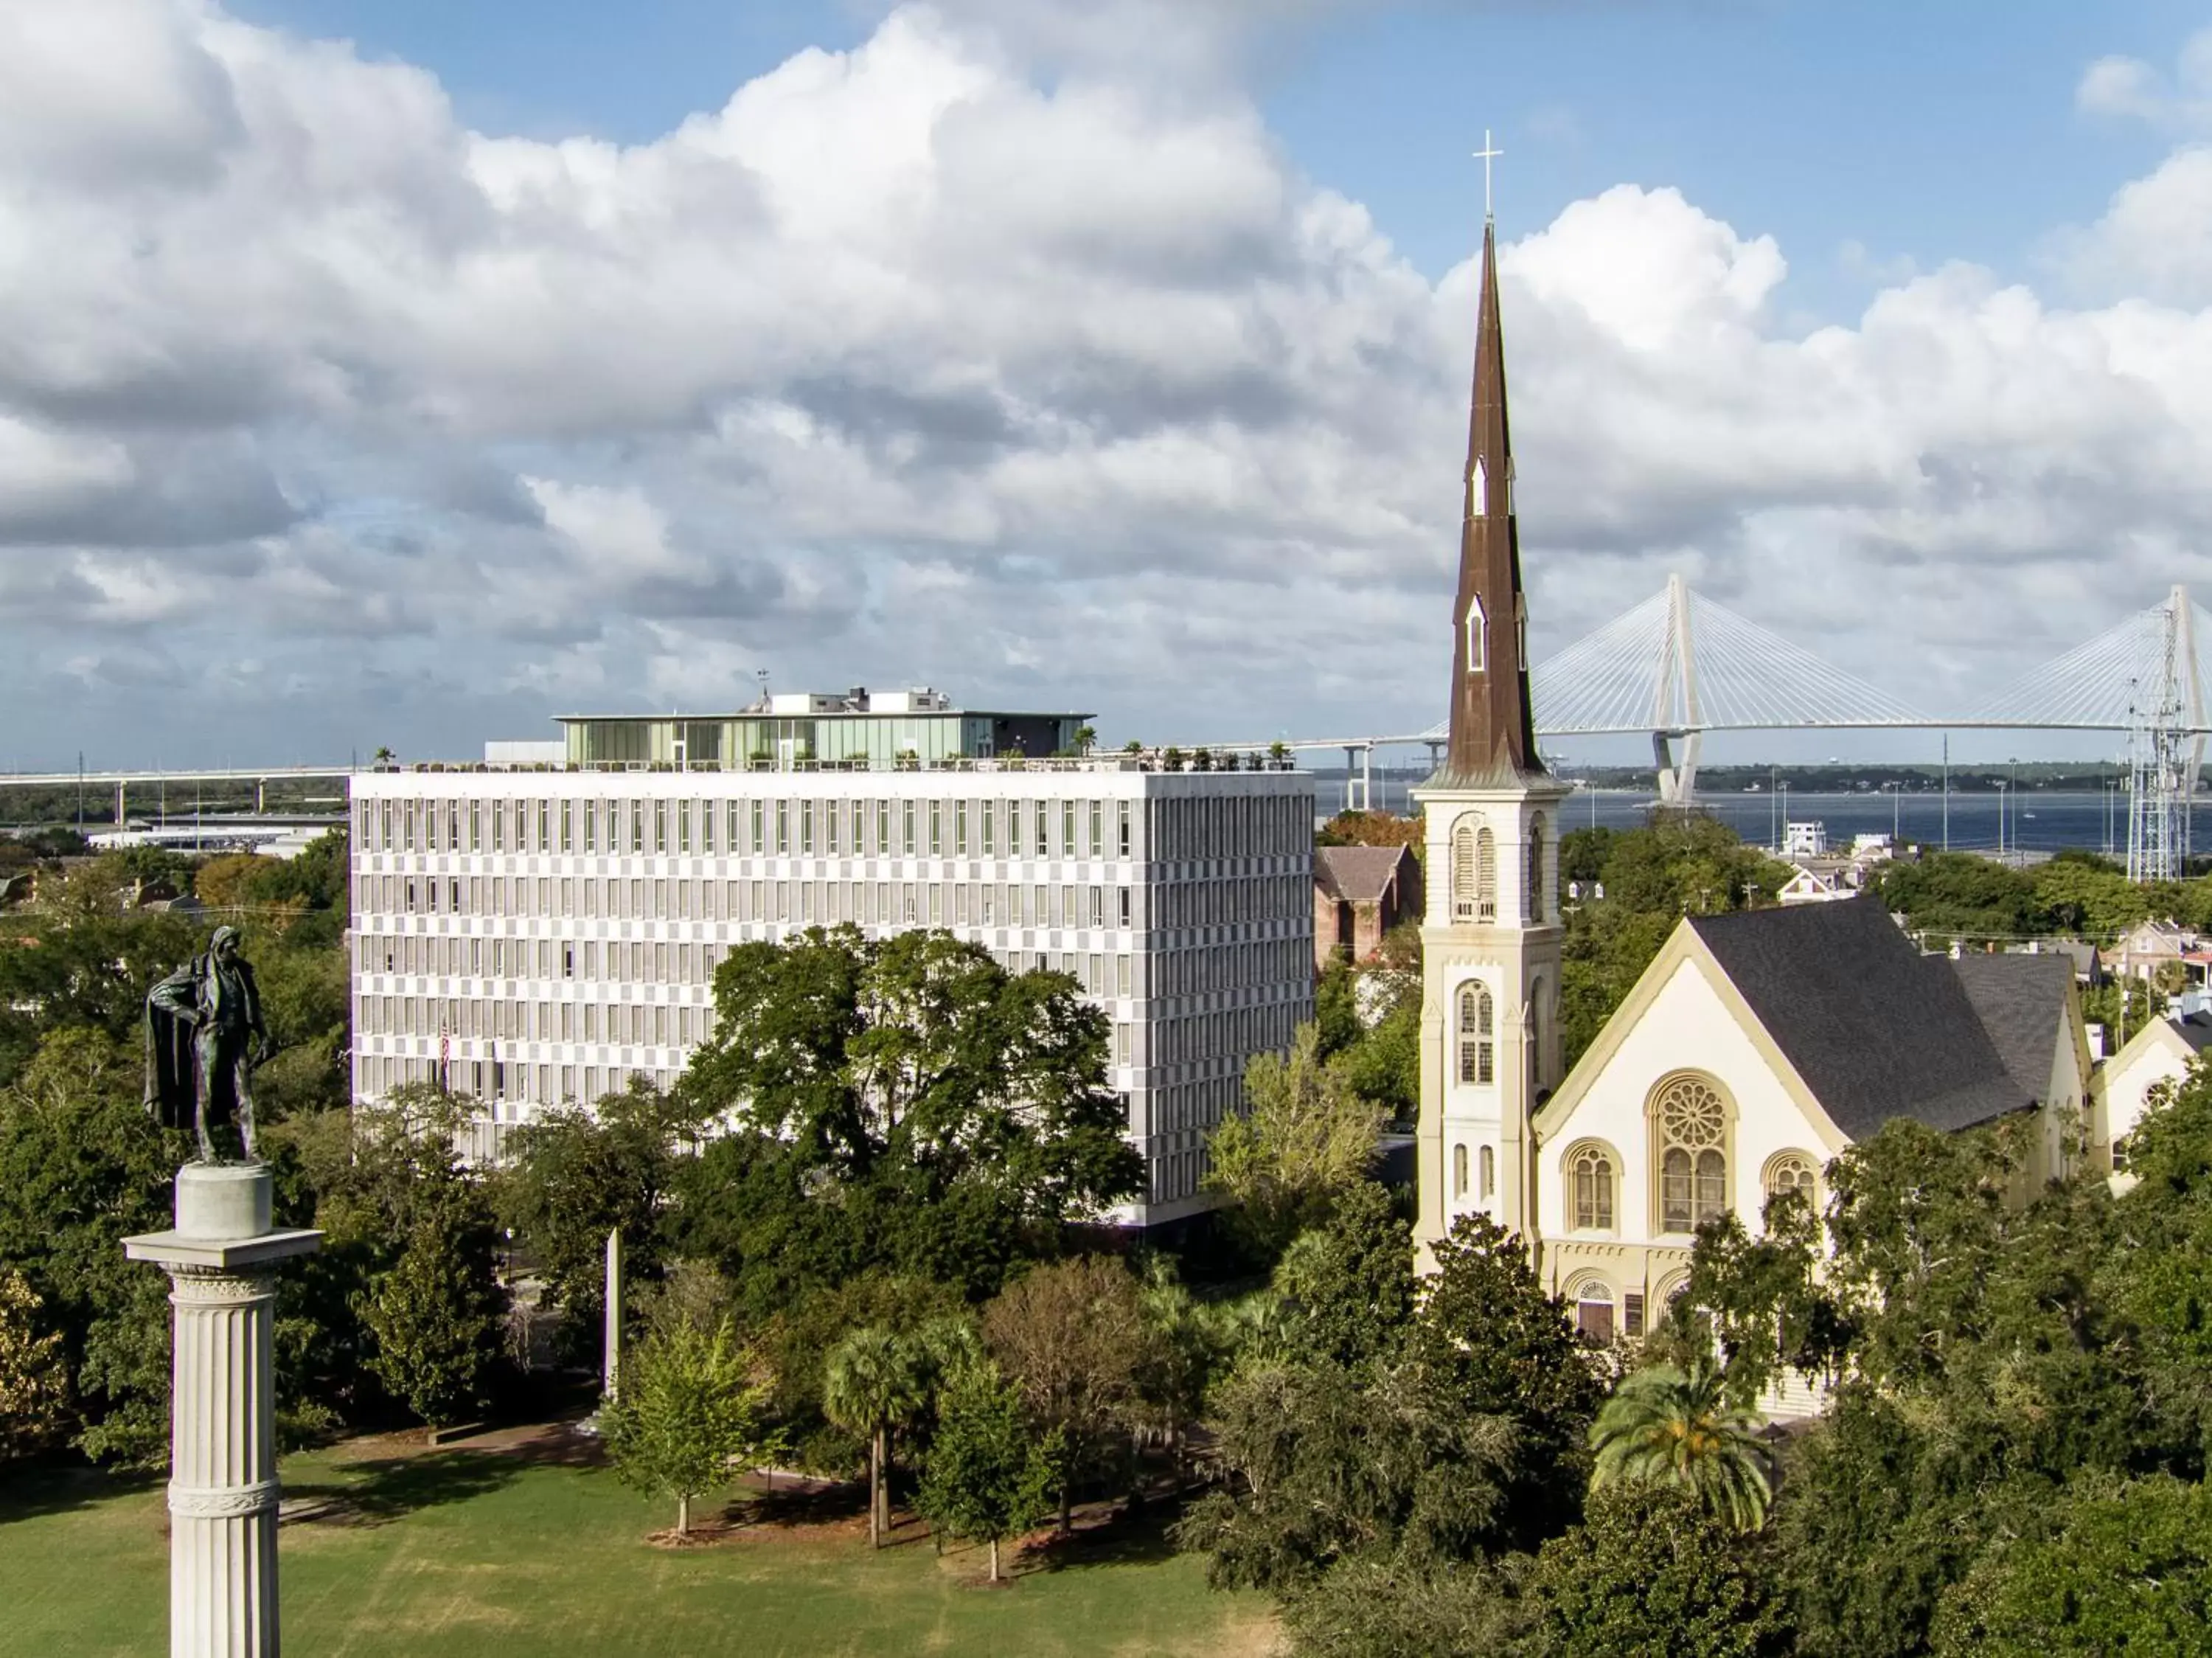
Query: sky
[392,372]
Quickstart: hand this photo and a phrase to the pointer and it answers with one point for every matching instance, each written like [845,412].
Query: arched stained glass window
[1589,1188]
[1489,1174]
[1792,1171]
[1691,1122]
[1477,1034]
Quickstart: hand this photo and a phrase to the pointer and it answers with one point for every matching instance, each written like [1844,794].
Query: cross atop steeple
[1488,154]
[1493,737]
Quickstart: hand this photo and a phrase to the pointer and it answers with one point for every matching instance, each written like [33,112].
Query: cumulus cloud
[325,421]
[2130,88]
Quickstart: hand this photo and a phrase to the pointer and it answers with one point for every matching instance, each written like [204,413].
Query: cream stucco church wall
[1684,1021]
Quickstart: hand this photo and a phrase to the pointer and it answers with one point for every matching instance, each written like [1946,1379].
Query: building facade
[1360,892]
[538,937]
[1756,1048]
[801,727]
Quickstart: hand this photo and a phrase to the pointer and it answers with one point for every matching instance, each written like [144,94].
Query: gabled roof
[1877,1030]
[1358,874]
[2022,1003]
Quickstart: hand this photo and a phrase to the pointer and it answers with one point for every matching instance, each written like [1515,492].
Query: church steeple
[1493,737]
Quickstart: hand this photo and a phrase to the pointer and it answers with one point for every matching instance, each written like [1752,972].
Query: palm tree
[1677,1428]
[873,1384]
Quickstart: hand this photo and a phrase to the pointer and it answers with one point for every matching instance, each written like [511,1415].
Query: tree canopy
[904,1104]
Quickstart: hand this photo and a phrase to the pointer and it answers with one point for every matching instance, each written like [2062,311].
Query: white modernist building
[540,937]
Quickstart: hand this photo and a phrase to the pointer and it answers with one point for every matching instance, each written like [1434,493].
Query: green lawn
[468,1552]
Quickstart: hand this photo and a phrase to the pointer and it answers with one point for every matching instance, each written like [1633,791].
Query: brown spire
[1494,736]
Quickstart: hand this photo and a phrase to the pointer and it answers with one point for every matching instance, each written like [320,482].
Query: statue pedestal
[221,1260]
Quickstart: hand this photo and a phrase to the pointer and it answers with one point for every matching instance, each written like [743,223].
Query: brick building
[1360,892]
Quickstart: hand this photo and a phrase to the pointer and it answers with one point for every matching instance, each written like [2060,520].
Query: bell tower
[1489,1037]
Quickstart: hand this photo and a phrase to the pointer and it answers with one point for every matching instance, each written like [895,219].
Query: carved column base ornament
[221,1260]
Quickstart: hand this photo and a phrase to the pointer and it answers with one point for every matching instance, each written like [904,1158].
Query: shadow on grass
[1115,1536]
[798,1505]
[379,1491]
[29,1493]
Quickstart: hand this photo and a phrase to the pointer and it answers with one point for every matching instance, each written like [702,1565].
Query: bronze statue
[204,1035]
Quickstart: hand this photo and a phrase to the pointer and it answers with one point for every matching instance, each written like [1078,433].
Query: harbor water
[2030,821]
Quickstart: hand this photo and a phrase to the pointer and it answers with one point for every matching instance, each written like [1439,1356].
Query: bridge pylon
[1675,710]
[2165,746]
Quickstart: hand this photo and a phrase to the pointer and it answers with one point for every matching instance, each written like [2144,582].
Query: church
[1754,1048]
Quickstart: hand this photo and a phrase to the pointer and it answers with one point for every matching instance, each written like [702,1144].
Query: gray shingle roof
[1357,875]
[1879,1030]
[2022,1003]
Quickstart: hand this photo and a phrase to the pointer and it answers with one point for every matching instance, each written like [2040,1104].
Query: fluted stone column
[221,1260]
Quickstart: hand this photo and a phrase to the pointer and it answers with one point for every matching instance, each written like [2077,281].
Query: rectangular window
[1631,1314]
[707,827]
[990,823]
[760,827]
[906,827]
[882,847]
[806,827]
[568,825]
[960,828]
[660,825]
[1123,910]
[1041,812]
[1121,975]
[1068,828]
[636,812]
[783,827]
[936,828]
[732,838]
[1095,846]
[684,810]
[832,810]
[1123,812]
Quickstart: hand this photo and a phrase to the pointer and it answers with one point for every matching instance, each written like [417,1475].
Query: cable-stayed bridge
[1680,665]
